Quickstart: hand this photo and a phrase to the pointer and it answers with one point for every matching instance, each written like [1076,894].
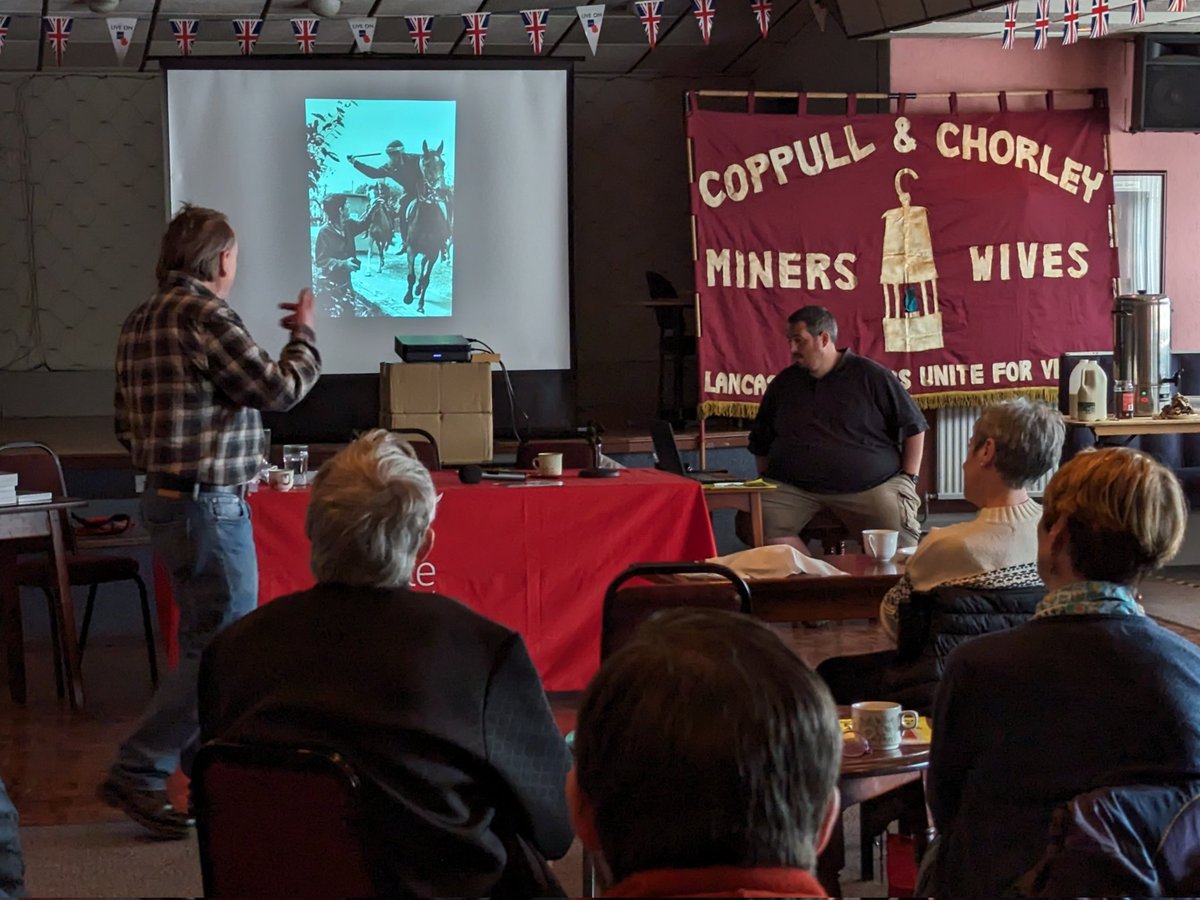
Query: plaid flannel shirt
[191,380]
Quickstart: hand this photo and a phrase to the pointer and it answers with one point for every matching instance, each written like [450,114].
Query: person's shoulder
[855,362]
[939,546]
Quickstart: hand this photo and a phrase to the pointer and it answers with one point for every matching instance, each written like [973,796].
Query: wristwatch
[915,478]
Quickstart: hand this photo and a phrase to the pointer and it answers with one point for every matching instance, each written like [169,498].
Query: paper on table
[774,561]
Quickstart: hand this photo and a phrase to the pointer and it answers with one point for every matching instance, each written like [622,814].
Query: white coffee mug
[281,479]
[882,722]
[548,463]
[880,543]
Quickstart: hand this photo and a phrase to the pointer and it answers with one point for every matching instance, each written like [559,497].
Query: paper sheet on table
[774,561]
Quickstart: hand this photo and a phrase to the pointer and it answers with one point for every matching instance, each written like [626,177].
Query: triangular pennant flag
[762,12]
[364,33]
[1041,25]
[185,34]
[820,14]
[305,32]
[650,12]
[246,32]
[1070,22]
[3,29]
[1099,19]
[58,32]
[591,18]
[1177,6]
[476,25]
[535,27]
[1009,39]
[704,11]
[419,29]
[1137,12]
[121,32]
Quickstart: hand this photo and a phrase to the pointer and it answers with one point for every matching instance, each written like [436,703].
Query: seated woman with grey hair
[440,709]
[984,570]
[1089,693]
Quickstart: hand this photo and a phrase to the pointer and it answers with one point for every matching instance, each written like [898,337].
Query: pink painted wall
[963,65]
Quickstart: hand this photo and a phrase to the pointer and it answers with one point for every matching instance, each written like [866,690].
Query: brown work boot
[150,809]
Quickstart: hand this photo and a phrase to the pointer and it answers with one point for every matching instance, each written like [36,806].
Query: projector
[415,348]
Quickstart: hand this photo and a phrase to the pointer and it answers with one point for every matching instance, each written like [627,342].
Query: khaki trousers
[893,504]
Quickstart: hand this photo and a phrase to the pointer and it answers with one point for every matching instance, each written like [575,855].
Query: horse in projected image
[428,224]
[381,226]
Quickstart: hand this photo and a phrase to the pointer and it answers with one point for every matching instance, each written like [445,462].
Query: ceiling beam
[150,35]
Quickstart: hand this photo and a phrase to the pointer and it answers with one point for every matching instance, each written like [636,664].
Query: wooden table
[744,497]
[1140,425]
[806,598]
[17,523]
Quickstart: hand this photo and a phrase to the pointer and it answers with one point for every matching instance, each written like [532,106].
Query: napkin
[774,561]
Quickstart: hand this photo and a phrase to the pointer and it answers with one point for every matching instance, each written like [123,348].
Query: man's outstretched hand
[300,313]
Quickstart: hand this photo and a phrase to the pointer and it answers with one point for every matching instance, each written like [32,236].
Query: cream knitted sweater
[996,549]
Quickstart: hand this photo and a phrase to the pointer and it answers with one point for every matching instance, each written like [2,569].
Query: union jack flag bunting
[3,29]
[762,12]
[535,27]
[185,34]
[246,32]
[1099,18]
[477,25]
[1137,12]
[58,32]
[1177,6]
[1070,22]
[1009,39]
[419,29]
[305,32]
[1041,25]
[650,12]
[704,11]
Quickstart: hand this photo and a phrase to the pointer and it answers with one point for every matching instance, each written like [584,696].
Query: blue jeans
[207,546]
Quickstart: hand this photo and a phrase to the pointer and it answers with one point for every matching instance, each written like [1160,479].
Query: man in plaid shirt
[190,384]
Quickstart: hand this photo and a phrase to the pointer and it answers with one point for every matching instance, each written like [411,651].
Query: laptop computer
[669,460]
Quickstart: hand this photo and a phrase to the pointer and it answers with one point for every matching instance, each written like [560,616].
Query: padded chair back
[625,610]
[577,453]
[279,821]
[426,446]
[1135,840]
[38,469]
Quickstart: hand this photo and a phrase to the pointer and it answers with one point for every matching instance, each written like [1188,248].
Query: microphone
[472,474]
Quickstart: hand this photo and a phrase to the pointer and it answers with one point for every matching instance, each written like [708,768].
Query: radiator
[954,427]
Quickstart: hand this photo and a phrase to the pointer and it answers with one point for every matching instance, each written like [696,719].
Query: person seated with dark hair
[983,572]
[1089,693]
[706,762]
[439,709]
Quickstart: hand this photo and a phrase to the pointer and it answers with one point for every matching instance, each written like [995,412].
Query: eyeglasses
[854,744]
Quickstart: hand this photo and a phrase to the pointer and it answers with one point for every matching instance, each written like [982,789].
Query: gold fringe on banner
[741,409]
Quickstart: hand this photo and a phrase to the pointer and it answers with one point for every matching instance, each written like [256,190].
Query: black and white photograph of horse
[381,206]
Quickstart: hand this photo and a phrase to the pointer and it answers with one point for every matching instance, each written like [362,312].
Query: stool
[829,530]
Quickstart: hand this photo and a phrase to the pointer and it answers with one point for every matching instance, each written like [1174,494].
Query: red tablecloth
[536,559]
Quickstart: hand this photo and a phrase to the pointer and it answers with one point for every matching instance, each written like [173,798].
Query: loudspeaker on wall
[1166,83]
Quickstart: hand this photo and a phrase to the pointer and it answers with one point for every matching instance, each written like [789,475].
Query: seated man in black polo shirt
[837,431]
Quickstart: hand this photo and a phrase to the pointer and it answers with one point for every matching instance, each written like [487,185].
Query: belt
[169,482]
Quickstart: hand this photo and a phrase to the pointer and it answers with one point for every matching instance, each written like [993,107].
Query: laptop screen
[663,436]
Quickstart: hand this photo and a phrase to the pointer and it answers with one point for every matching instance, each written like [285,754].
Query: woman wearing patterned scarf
[1089,693]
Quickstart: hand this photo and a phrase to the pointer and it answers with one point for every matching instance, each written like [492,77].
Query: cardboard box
[407,388]
[466,438]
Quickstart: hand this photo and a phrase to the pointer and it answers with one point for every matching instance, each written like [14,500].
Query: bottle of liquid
[1092,398]
[1123,397]
[1073,387]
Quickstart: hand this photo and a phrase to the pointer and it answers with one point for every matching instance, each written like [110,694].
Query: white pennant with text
[591,17]
[364,33]
[121,32]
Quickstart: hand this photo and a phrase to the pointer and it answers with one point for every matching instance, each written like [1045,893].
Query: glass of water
[295,457]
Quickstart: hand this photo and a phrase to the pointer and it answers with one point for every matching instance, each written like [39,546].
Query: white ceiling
[735,48]
[989,23]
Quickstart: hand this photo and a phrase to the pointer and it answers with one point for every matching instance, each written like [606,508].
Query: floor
[52,759]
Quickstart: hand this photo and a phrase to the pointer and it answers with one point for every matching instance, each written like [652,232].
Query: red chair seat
[80,570]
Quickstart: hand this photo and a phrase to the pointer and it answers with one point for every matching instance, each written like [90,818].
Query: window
[1140,213]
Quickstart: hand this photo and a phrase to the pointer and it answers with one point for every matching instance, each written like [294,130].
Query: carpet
[1174,595]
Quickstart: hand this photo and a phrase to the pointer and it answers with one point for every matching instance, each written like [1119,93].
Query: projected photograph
[381,206]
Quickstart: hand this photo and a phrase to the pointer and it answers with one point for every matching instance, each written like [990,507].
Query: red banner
[964,252]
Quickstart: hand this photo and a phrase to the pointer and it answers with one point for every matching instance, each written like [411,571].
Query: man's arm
[121,424]
[369,171]
[911,452]
[524,746]
[244,371]
[762,431]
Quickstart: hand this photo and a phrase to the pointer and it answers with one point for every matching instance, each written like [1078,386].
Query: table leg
[756,518]
[68,640]
[10,623]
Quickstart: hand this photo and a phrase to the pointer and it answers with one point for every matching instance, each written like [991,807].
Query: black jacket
[439,708]
[933,623]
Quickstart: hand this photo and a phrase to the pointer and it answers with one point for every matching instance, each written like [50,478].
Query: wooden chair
[578,453]
[426,448]
[38,468]
[278,822]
